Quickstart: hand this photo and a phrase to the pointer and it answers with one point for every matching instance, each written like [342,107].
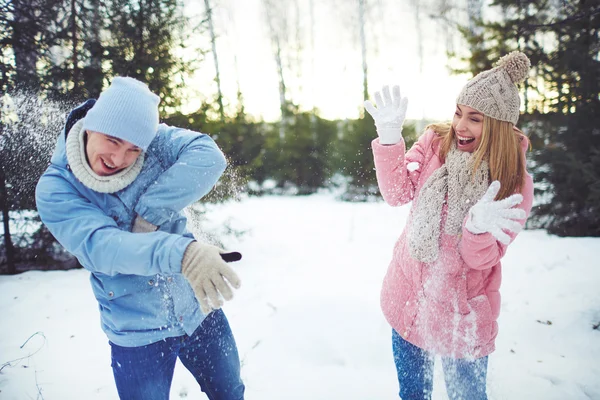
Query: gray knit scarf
[455,179]
[75,149]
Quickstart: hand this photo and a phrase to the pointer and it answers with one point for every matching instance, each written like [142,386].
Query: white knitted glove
[140,225]
[488,215]
[389,114]
[209,275]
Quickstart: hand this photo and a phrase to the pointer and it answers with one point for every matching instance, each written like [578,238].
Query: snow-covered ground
[307,319]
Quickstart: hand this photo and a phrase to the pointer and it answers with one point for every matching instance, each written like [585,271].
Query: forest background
[286,109]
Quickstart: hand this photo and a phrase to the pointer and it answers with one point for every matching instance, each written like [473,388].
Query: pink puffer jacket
[448,307]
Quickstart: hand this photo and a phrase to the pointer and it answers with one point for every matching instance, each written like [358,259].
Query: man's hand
[489,215]
[140,225]
[209,275]
[389,114]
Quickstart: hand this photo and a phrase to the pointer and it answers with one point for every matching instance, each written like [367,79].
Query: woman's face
[468,127]
[108,155]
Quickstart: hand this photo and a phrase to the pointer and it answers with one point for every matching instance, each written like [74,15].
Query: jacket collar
[59,157]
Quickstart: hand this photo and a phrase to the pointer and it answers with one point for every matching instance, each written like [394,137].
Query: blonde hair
[500,146]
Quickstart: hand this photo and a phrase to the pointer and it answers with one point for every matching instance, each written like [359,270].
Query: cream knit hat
[494,92]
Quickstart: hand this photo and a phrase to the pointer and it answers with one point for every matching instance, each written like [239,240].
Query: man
[113,195]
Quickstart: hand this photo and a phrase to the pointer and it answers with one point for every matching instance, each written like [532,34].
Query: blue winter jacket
[136,277]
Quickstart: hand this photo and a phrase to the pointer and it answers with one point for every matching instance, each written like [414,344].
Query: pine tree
[74,67]
[143,39]
[304,153]
[26,38]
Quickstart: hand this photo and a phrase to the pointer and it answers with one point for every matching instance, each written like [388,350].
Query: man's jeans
[465,380]
[210,354]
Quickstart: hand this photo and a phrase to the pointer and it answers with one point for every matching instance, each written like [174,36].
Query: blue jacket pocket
[118,286]
[130,303]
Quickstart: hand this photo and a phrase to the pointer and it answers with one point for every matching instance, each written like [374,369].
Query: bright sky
[330,76]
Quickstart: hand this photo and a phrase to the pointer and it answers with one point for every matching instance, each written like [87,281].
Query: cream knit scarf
[455,179]
[75,148]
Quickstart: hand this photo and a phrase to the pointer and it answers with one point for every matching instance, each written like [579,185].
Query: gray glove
[140,225]
[209,275]
[389,114]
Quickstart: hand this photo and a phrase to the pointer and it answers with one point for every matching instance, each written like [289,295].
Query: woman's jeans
[465,380]
[210,354]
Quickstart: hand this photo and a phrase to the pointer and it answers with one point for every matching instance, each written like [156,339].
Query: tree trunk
[95,79]
[420,124]
[8,245]
[275,34]
[24,46]
[363,47]
[313,53]
[213,41]
[74,44]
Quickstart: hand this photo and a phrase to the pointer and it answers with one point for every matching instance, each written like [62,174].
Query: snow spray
[29,126]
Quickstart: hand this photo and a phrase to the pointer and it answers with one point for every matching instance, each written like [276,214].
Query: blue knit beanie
[127,110]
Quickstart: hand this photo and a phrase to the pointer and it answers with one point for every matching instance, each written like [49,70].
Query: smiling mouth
[107,165]
[462,140]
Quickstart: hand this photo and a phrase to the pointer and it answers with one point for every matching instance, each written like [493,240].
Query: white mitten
[140,225]
[488,215]
[389,114]
[208,274]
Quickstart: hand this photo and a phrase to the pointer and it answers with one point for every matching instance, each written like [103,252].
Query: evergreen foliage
[70,49]
[144,38]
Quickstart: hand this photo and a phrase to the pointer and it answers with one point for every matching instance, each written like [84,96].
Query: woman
[471,196]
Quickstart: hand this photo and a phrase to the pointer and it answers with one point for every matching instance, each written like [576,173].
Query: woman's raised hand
[389,114]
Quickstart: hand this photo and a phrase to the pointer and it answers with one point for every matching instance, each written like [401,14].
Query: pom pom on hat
[516,65]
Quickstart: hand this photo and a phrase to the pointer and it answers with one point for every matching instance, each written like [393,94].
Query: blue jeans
[210,354]
[465,380]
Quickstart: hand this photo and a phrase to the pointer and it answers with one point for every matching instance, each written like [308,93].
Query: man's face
[108,155]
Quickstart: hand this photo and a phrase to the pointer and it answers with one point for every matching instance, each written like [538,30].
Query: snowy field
[307,318]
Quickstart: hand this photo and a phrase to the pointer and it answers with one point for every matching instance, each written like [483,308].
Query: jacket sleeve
[94,237]
[483,251]
[195,165]
[398,171]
